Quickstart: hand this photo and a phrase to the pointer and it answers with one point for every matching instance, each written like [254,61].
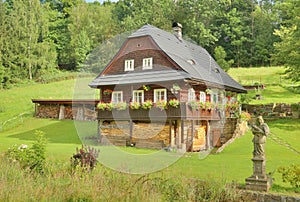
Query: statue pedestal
[259,181]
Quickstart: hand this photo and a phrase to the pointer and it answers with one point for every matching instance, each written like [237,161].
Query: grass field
[233,164]
[278,88]
[16,105]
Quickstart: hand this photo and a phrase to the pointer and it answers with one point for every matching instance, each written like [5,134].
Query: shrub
[174,103]
[109,106]
[86,158]
[245,116]
[161,104]
[291,174]
[147,104]
[33,157]
[101,106]
[193,104]
[135,105]
[120,106]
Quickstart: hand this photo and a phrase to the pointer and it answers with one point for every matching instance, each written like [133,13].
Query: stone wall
[228,129]
[274,110]
[251,196]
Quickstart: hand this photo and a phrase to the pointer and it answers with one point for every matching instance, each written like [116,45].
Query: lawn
[16,105]
[278,88]
[233,164]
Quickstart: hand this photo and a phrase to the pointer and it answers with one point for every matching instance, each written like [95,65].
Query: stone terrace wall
[273,110]
[250,196]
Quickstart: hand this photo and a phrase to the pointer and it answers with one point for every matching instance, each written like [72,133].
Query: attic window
[191,61]
[129,65]
[147,63]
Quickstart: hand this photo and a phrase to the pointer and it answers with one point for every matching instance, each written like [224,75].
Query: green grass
[233,164]
[16,105]
[278,88]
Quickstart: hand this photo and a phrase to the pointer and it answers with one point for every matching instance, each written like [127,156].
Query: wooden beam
[130,131]
[170,132]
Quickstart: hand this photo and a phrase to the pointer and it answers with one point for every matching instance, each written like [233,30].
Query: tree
[220,56]
[287,49]
[132,14]
[26,49]
[90,25]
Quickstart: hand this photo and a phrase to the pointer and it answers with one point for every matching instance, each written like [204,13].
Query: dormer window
[147,63]
[129,65]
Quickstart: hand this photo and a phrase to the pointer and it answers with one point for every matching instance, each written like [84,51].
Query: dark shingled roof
[193,59]
[140,77]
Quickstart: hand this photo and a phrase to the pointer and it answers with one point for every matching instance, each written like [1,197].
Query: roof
[140,77]
[66,101]
[192,58]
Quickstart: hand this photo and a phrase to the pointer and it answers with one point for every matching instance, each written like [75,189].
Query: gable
[137,49]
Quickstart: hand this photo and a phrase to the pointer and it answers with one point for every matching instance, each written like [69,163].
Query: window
[160,94]
[129,65]
[214,97]
[147,63]
[138,96]
[117,96]
[191,95]
[202,96]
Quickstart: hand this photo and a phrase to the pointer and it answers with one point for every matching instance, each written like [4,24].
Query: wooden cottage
[160,90]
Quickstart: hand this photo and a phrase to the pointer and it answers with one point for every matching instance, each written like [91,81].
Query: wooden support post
[170,132]
[179,133]
[193,133]
[208,136]
[61,114]
[130,131]
[183,134]
[99,131]
[174,134]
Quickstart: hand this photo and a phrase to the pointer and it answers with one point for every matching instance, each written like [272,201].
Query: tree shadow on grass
[285,124]
[287,190]
[59,132]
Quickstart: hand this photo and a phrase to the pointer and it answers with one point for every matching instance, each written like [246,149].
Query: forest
[44,37]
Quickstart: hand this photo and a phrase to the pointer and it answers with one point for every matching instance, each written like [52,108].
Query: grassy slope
[278,89]
[17,100]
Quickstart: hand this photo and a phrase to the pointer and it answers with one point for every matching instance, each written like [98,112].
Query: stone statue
[260,130]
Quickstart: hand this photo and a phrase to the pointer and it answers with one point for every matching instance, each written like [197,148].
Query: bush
[33,157]
[291,174]
[86,158]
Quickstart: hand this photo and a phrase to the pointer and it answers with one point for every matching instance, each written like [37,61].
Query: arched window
[191,95]
[202,96]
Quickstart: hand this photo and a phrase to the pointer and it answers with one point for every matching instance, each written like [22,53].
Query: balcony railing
[184,111]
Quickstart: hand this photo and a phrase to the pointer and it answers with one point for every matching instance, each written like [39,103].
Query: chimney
[177,27]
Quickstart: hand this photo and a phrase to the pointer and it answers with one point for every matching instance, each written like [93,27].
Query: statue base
[259,181]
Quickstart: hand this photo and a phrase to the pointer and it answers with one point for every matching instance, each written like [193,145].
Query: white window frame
[135,98]
[191,94]
[147,63]
[115,99]
[214,95]
[202,97]
[129,65]
[160,90]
